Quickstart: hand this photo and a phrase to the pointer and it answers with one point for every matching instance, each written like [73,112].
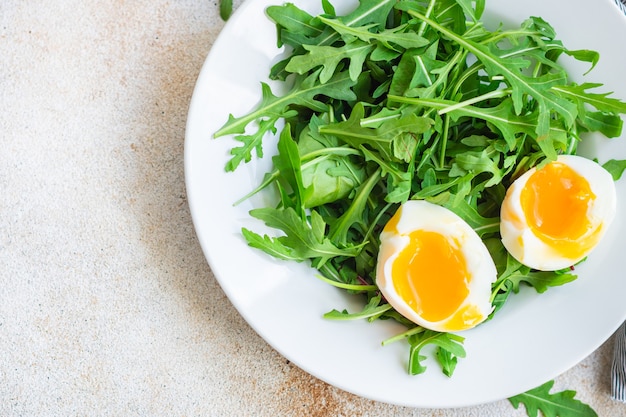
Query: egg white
[519,239]
[422,215]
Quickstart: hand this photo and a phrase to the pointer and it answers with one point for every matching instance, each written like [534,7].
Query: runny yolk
[430,275]
[392,224]
[555,202]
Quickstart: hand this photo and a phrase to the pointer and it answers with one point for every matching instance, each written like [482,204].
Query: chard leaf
[559,404]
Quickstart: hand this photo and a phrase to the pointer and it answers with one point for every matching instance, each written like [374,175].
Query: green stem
[351,287]
[444,141]
[487,96]
[429,11]
[499,285]
[404,335]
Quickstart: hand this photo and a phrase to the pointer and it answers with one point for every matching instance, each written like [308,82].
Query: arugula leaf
[482,225]
[389,38]
[354,214]
[328,57]
[250,143]
[303,93]
[474,9]
[497,63]
[372,310]
[560,404]
[447,360]
[329,9]
[291,21]
[601,101]
[368,11]
[226,9]
[271,246]
[449,343]
[610,125]
[351,132]
[505,121]
[290,170]
[615,167]
[388,140]
[302,241]
[539,280]
[511,274]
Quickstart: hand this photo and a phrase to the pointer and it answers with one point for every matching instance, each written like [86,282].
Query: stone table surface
[107,304]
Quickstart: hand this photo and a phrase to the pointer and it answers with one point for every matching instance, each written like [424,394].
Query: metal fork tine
[618,368]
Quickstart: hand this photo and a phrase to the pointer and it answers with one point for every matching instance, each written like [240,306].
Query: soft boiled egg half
[434,269]
[554,216]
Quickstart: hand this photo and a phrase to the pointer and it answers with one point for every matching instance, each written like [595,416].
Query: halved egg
[554,216]
[434,269]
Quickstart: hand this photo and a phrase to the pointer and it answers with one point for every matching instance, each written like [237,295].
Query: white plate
[532,340]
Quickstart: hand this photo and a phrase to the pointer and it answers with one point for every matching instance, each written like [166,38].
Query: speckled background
[107,305]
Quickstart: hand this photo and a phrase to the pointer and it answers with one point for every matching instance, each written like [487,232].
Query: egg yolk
[430,275]
[555,202]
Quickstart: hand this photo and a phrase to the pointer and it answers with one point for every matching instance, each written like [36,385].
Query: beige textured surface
[107,305]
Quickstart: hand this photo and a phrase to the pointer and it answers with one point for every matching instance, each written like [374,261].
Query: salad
[399,101]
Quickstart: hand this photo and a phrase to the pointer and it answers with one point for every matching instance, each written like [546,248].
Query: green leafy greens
[226,9]
[408,99]
[560,404]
